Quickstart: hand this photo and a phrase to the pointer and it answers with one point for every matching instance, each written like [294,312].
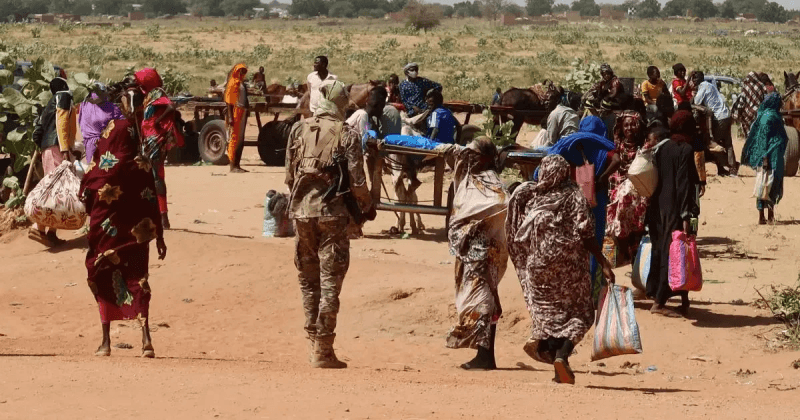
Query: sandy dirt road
[229,342]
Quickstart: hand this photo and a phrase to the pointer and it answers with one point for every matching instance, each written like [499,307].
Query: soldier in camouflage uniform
[322,248]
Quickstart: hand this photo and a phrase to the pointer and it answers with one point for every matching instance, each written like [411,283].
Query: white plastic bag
[763,186]
[643,173]
[54,202]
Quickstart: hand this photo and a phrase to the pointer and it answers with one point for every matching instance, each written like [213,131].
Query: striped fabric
[616,331]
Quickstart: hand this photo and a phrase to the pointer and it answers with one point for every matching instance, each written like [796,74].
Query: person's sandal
[564,372]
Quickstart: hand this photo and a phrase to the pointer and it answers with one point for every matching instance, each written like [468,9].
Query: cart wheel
[272,143]
[792,155]
[213,142]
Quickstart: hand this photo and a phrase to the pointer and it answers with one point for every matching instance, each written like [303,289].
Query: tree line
[16,9]
[764,10]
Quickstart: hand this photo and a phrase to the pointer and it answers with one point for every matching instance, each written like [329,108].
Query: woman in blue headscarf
[765,147]
[591,143]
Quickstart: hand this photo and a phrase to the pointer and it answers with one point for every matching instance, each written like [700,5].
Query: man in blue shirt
[442,125]
[414,89]
[709,96]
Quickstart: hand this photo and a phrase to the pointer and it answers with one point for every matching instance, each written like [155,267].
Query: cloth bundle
[616,331]
[641,265]
[276,216]
[54,201]
[685,273]
[764,181]
[643,173]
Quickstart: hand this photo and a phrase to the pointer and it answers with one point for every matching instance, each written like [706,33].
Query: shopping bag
[584,176]
[764,180]
[616,331]
[685,273]
[643,173]
[54,201]
[641,265]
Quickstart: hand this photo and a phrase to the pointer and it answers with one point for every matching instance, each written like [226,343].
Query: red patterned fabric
[148,79]
[119,193]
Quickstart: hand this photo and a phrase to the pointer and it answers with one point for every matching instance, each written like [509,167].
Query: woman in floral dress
[550,234]
[119,193]
[625,217]
[478,241]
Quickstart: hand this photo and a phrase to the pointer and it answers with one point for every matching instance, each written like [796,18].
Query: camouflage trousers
[322,256]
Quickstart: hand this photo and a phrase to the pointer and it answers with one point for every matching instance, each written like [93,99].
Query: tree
[586,7]
[238,7]
[468,9]
[342,9]
[513,9]
[448,10]
[422,16]
[493,8]
[727,10]
[163,7]
[539,7]
[560,8]
[746,6]
[772,12]
[648,9]
[700,8]
[308,7]
[205,7]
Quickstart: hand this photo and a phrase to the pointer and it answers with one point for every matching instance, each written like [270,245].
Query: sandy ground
[227,324]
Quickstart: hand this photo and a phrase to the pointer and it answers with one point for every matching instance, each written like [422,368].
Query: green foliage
[308,7]
[586,7]
[635,55]
[772,12]
[539,7]
[648,9]
[583,76]
[551,58]
[666,56]
[67,26]
[342,9]
[447,43]
[422,16]
[499,133]
[459,84]
[16,199]
[153,31]
[700,8]
[36,31]
[784,303]
[175,81]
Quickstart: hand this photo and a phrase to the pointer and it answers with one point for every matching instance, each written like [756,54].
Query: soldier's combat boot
[324,357]
[311,346]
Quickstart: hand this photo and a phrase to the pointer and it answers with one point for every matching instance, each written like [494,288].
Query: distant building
[610,14]
[135,16]
[44,18]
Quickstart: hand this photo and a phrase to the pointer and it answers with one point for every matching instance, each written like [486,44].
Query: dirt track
[234,346]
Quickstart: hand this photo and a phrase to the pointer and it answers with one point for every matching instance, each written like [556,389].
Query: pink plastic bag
[584,176]
[684,263]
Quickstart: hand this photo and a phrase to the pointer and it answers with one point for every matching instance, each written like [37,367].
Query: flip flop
[564,372]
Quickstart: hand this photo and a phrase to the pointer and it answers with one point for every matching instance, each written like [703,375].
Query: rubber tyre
[272,144]
[792,156]
[213,142]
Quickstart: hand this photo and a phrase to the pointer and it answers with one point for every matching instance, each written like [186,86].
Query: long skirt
[478,271]
[236,131]
[122,290]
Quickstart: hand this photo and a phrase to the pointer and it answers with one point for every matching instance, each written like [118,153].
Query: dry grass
[490,56]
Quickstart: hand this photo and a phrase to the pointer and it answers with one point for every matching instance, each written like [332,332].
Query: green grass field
[469,57]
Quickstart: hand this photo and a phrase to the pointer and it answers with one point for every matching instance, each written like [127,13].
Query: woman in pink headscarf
[159,131]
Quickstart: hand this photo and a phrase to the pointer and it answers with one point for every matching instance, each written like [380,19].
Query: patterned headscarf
[606,68]
[234,83]
[148,79]
[619,131]
[553,171]
[334,99]
[754,90]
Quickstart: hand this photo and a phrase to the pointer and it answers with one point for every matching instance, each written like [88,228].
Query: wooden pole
[32,167]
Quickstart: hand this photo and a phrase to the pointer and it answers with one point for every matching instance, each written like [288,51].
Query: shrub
[667,56]
[582,76]
[422,16]
[153,31]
